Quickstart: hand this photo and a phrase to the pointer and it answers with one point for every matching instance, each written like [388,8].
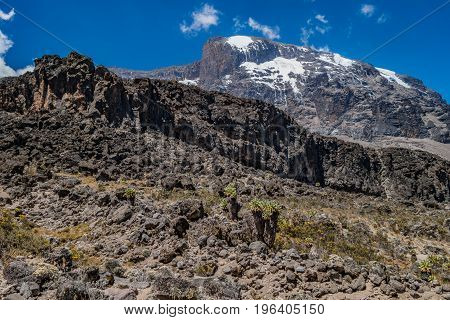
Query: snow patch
[189,82]
[240,42]
[336,59]
[392,76]
[340,60]
[226,80]
[276,71]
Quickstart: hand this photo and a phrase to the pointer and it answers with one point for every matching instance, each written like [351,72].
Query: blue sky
[140,34]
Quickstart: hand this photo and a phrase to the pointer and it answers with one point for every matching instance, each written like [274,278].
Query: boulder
[121,215]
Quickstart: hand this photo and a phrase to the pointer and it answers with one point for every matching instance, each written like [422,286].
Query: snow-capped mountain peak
[240,42]
[324,91]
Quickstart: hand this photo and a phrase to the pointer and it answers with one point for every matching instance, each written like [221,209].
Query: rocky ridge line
[249,132]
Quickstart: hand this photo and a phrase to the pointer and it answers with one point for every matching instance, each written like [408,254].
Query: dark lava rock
[16,270]
[72,290]
[180,227]
[122,214]
[192,209]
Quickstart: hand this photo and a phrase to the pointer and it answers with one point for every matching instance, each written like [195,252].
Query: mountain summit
[323,91]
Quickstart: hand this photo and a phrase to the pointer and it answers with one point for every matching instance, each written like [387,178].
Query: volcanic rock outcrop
[253,133]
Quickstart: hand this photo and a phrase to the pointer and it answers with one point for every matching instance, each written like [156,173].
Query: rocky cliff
[323,91]
[253,133]
[249,132]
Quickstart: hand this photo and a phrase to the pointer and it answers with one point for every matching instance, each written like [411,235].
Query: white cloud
[21,71]
[7,16]
[382,19]
[202,19]
[267,31]
[317,25]
[367,9]
[7,71]
[5,45]
[237,24]
[322,49]
[321,18]
[306,34]
[322,30]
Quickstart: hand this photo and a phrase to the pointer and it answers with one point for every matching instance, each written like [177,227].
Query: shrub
[256,205]
[81,258]
[130,193]
[230,203]
[230,190]
[303,232]
[223,203]
[206,269]
[425,266]
[71,233]
[266,207]
[435,267]
[265,216]
[18,236]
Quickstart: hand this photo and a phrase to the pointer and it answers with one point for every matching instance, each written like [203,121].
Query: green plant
[230,203]
[230,190]
[425,266]
[265,217]
[266,207]
[256,205]
[206,269]
[129,193]
[446,266]
[311,213]
[435,267]
[81,258]
[223,203]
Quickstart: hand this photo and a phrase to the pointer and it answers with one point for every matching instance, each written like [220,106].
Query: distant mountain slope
[323,91]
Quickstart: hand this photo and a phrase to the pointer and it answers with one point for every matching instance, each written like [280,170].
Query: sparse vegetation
[230,190]
[206,269]
[265,216]
[130,193]
[82,259]
[223,203]
[18,236]
[304,232]
[434,268]
[230,203]
[266,207]
[30,170]
[68,234]
[148,207]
